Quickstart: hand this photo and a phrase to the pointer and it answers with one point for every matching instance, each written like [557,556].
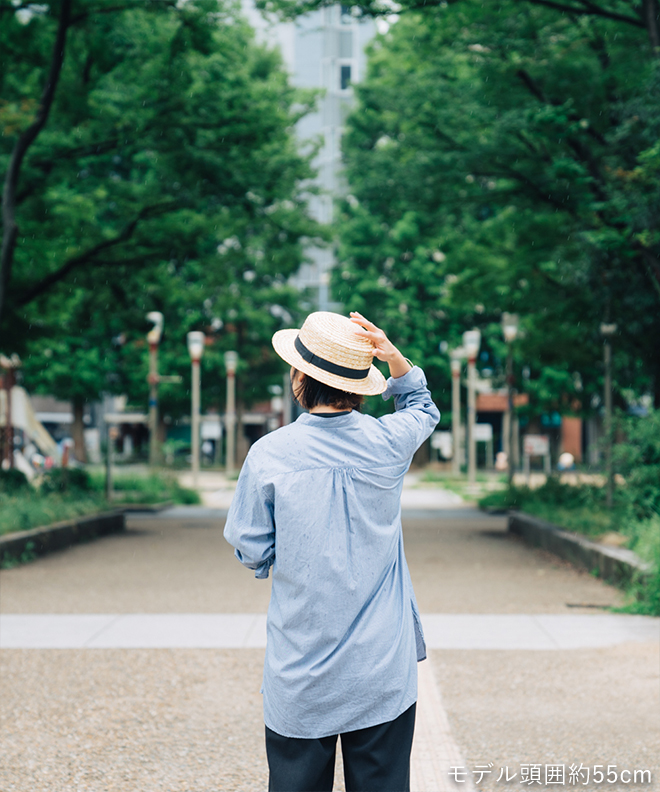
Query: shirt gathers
[319,502]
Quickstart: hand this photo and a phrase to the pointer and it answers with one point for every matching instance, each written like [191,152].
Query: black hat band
[327,365]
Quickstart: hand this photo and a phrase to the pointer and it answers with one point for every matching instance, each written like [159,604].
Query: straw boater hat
[328,349]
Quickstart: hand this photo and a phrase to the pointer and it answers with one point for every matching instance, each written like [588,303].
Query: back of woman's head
[312,393]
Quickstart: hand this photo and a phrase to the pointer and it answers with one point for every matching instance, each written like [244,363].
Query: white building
[324,49]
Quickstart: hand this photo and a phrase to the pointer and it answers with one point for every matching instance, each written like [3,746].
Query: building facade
[322,50]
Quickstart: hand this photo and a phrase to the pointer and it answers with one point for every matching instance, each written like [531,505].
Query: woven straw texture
[332,337]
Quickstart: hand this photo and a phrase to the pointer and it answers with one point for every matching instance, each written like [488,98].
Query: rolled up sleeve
[250,525]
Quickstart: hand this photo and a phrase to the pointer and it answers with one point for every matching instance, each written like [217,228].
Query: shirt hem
[368,723]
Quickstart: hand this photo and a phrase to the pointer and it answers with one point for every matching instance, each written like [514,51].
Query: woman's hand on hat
[383,349]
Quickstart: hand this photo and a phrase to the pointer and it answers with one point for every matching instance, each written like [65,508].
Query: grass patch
[132,488]
[485,483]
[31,510]
[63,497]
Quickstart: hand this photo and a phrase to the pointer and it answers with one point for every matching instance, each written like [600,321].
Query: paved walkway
[134,662]
[509,632]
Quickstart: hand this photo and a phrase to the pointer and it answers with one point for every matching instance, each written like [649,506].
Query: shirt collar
[339,420]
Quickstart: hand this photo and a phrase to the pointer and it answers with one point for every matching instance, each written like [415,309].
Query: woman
[320,501]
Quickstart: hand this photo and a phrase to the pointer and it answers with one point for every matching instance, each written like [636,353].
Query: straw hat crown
[329,349]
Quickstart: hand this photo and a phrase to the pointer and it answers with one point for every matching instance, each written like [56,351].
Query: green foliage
[644,590]
[637,458]
[575,508]
[152,488]
[21,512]
[75,481]
[167,178]
[582,509]
[504,158]
[10,561]
[66,493]
[12,481]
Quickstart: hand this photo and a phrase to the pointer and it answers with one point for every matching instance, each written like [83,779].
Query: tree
[505,158]
[163,175]
[642,15]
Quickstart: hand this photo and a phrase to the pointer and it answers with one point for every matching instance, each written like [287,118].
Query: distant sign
[443,442]
[536,445]
[211,428]
[483,433]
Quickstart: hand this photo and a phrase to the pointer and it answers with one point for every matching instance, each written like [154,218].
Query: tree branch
[584,8]
[525,77]
[508,172]
[89,255]
[124,7]
[587,9]
[46,166]
[25,140]
[651,263]
[650,15]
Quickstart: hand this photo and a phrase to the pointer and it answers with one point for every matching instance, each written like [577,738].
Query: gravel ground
[131,720]
[589,706]
[460,562]
[191,720]
[467,562]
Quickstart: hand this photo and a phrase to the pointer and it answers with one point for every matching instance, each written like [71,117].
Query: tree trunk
[78,430]
[25,140]
[651,13]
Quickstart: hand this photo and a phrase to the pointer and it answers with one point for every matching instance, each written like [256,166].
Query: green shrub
[13,480]
[20,512]
[73,480]
[552,494]
[152,488]
[644,590]
[637,458]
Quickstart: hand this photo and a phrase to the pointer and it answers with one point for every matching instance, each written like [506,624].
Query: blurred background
[182,179]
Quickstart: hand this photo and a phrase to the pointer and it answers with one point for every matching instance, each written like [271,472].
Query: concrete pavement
[248,631]
[525,666]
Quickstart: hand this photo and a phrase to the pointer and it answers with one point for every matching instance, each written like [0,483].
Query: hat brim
[284,344]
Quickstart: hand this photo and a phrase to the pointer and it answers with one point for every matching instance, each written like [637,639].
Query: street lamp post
[510,332]
[457,356]
[607,331]
[153,338]
[196,349]
[231,361]
[471,344]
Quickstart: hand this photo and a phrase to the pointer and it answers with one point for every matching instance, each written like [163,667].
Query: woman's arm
[384,349]
[250,525]
[416,415]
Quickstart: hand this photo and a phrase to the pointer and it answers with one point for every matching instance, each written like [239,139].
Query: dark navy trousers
[376,759]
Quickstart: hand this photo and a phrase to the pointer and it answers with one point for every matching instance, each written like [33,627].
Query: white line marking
[434,750]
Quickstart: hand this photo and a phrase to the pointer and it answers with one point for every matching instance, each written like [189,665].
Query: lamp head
[231,361]
[471,343]
[510,327]
[156,318]
[196,340]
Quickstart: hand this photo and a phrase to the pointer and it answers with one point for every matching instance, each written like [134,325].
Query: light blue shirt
[319,500]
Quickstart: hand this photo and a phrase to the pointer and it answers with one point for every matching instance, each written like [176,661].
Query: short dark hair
[313,393]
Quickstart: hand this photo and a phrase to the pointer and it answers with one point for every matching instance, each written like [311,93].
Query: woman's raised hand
[384,349]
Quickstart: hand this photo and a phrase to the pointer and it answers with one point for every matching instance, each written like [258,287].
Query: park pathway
[134,663]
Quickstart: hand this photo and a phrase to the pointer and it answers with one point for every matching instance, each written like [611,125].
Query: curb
[614,564]
[145,507]
[59,536]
